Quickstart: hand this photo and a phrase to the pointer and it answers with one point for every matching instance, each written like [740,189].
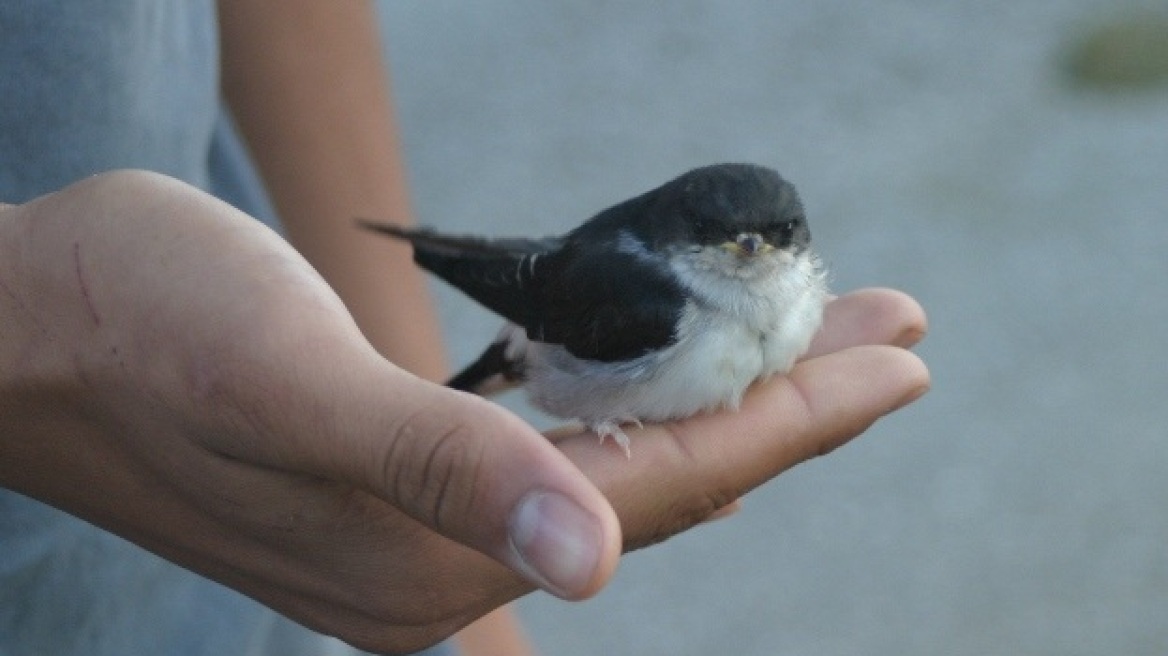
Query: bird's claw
[612,429]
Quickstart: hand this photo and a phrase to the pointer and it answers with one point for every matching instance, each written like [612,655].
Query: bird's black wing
[497,273]
[491,373]
[597,301]
[604,304]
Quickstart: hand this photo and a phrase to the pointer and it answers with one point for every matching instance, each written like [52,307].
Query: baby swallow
[663,306]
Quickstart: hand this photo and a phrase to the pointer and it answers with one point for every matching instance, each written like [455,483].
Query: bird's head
[740,220]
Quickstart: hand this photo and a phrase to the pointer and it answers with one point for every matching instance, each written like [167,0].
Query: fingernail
[913,394]
[556,541]
[910,337]
[726,511]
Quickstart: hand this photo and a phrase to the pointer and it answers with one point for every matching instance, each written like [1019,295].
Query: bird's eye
[781,234]
[705,230]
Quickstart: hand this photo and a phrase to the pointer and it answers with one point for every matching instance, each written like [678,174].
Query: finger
[728,510]
[681,473]
[477,474]
[870,316]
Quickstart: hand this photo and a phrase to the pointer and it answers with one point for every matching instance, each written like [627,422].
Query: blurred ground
[940,147]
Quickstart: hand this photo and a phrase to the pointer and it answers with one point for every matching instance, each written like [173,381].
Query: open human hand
[175,373]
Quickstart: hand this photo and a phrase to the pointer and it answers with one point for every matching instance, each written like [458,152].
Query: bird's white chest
[745,334]
[719,354]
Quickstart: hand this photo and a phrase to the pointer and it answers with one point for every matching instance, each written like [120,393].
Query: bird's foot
[612,428]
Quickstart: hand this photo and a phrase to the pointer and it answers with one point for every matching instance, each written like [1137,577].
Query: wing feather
[606,305]
[598,301]
[497,273]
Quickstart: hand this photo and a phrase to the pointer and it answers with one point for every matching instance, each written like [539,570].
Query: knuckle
[434,473]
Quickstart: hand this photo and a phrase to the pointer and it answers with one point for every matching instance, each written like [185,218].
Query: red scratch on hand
[84,287]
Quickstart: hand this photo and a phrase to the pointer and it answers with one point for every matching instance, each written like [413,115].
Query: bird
[661,307]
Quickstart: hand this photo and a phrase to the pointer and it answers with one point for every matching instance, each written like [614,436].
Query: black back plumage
[599,291]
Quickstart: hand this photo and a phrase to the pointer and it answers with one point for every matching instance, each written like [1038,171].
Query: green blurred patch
[1129,53]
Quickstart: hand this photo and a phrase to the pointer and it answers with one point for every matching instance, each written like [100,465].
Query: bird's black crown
[711,205]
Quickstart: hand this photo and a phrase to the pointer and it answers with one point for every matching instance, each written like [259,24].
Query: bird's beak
[747,244]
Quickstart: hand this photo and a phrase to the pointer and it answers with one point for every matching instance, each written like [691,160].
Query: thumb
[477,474]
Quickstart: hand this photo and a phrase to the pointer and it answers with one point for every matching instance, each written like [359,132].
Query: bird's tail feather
[440,244]
[491,271]
[490,374]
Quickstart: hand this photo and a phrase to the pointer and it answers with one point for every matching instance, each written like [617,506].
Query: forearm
[307,85]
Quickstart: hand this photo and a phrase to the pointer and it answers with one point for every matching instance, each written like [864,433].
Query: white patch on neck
[630,245]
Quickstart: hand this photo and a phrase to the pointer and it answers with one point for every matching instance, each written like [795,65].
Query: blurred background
[1004,162]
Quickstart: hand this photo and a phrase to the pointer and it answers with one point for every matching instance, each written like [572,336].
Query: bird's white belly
[709,369]
[714,360]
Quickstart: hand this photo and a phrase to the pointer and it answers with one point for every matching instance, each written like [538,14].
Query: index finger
[683,471]
[869,316]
